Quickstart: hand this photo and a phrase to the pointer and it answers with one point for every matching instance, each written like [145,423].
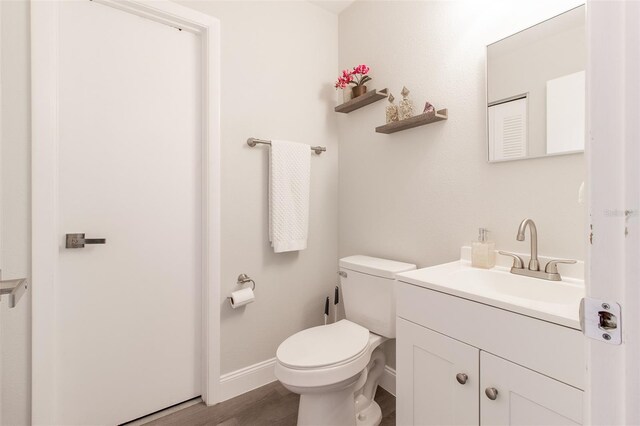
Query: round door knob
[492,393]
[461,378]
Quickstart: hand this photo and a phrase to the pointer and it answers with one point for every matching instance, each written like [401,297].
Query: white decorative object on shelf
[406,105]
[392,110]
[429,108]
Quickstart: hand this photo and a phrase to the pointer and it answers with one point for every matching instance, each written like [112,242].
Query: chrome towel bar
[14,289]
[254,141]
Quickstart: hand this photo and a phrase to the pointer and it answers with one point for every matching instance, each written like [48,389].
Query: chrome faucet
[550,271]
[534,264]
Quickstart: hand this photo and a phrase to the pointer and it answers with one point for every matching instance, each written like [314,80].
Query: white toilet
[336,368]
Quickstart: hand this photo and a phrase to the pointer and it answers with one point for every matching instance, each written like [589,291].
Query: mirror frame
[486,92]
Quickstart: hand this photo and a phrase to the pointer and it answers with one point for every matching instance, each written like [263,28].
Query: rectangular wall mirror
[536,90]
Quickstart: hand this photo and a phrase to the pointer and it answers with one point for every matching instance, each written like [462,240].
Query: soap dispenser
[483,253]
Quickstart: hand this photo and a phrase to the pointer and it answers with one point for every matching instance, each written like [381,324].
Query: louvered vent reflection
[513,137]
[508,130]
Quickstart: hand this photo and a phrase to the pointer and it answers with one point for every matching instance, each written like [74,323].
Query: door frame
[1,217]
[45,140]
[613,154]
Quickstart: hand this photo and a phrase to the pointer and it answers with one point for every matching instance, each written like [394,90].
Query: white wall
[419,195]
[278,62]
[15,227]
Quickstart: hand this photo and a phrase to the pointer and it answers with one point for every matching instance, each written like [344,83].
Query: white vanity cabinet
[437,378]
[525,397]
[452,351]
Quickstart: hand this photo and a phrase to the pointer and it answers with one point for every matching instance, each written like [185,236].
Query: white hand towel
[289,181]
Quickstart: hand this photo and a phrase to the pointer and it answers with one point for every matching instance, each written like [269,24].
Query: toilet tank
[368,290]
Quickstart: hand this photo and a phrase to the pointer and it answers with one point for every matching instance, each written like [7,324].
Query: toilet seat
[325,355]
[323,346]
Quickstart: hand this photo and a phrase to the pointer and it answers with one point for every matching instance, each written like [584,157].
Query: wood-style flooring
[269,405]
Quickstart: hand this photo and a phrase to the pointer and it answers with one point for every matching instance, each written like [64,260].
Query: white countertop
[554,301]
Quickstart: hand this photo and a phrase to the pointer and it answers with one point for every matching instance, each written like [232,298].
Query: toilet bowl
[328,365]
[336,368]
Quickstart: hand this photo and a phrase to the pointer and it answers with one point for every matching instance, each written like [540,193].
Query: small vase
[405,108]
[358,91]
[392,110]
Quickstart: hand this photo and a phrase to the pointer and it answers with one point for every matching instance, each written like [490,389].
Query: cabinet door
[525,397]
[428,391]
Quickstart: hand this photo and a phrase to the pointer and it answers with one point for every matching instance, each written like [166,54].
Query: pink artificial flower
[358,76]
[361,69]
[344,80]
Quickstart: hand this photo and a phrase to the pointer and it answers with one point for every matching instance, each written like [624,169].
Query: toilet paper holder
[243,279]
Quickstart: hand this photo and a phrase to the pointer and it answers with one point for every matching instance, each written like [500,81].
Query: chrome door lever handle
[78,241]
[95,241]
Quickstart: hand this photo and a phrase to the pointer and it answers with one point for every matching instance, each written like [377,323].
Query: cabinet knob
[492,393]
[461,378]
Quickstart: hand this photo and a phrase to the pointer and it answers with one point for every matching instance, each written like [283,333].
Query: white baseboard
[252,377]
[247,379]
[388,380]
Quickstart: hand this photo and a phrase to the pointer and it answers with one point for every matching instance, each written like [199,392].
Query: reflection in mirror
[536,90]
[15,214]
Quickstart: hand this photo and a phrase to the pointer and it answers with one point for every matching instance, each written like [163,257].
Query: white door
[438,378]
[516,396]
[613,153]
[128,312]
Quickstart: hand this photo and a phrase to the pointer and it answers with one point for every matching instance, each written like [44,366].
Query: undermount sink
[553,301]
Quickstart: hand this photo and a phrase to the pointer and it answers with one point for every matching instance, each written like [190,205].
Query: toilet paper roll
[241,297]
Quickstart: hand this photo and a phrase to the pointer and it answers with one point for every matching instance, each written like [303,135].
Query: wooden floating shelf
[362,100]
[418,120]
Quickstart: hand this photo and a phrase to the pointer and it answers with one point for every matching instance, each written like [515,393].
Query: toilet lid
[324,345]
